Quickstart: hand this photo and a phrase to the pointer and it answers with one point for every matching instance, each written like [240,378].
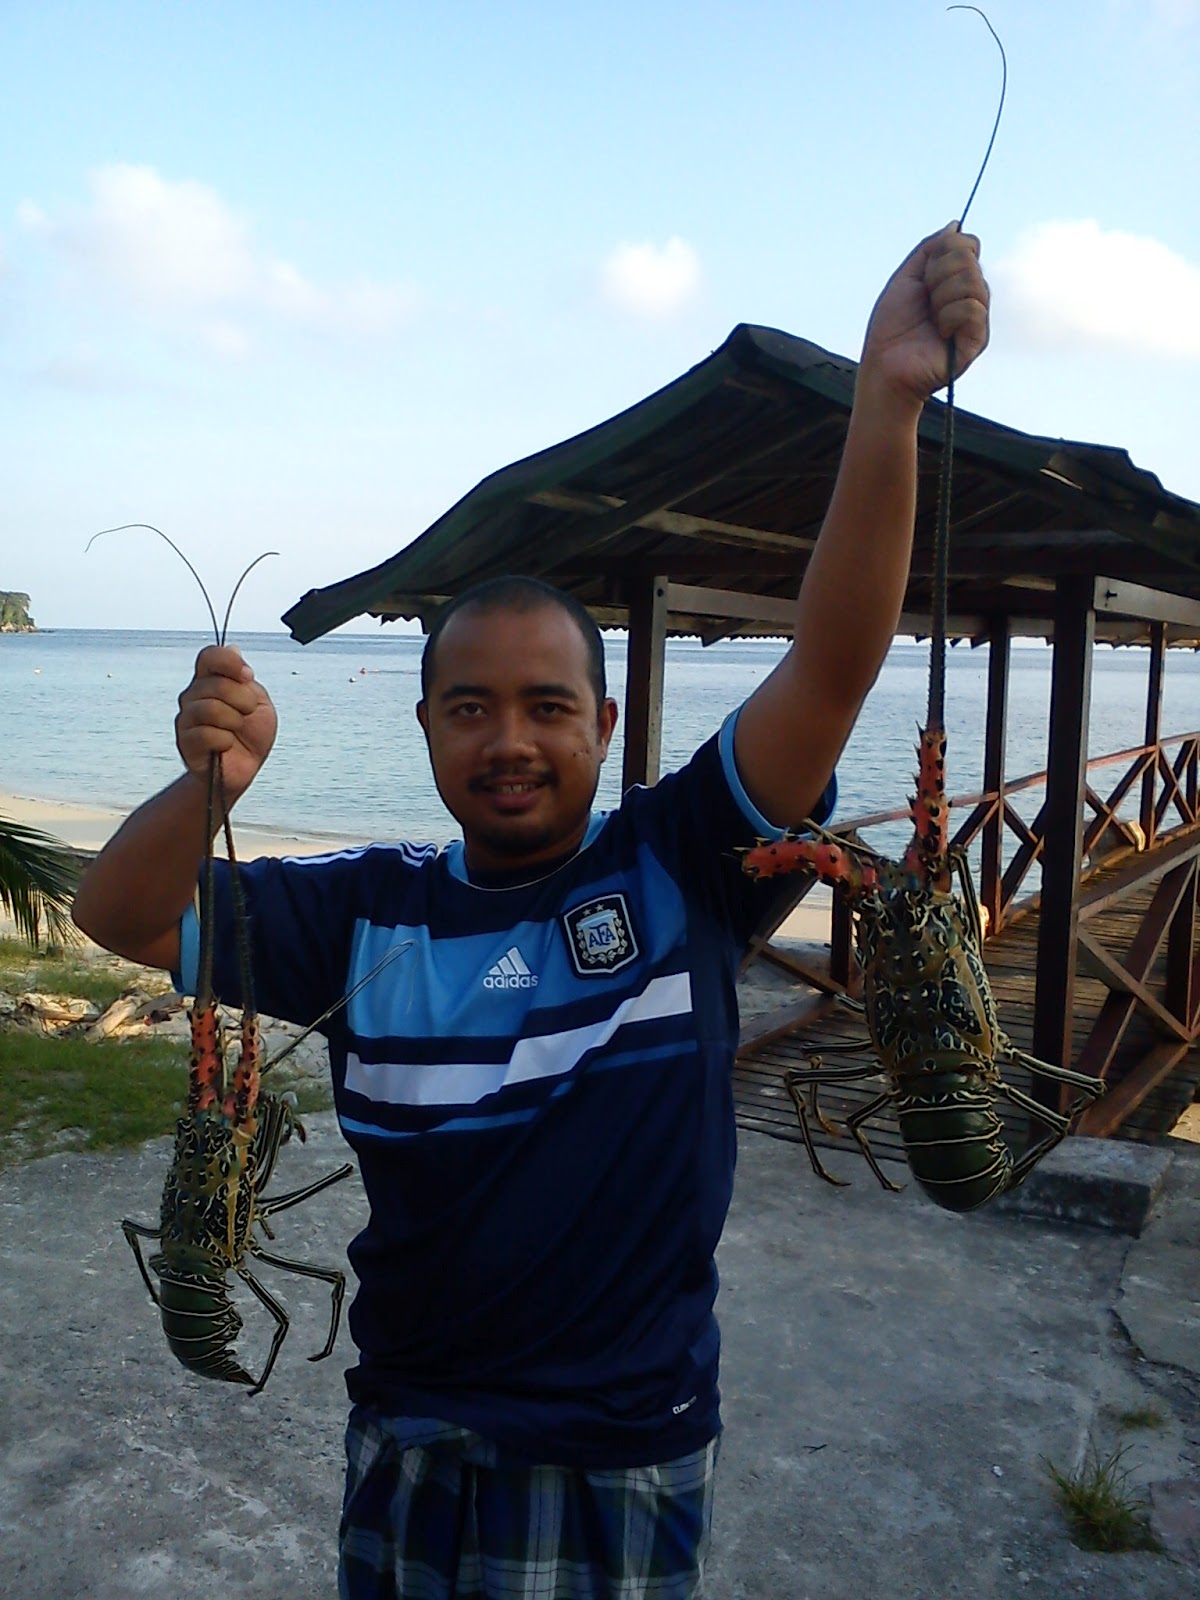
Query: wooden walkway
[763,1104]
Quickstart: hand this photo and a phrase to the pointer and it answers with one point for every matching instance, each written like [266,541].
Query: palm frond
[38,876]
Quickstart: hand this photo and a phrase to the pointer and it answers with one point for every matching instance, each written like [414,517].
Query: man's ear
[422,711]
[606,719]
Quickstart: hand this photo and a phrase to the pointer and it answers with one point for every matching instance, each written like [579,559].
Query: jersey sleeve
[299,920]
[706,819]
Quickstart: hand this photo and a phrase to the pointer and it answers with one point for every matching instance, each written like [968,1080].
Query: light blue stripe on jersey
[551,1055]
[413,855]
[765,829]
[438,990]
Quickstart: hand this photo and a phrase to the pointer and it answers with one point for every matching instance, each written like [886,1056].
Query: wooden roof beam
[1116,598]
[678,523]
[757,437]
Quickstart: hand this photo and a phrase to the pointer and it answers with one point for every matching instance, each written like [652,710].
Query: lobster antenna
[236,587]
[122,526]
[216,793]
[343,1000]
[935,717]
[987,155]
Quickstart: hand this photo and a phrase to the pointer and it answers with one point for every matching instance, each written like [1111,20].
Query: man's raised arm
[131,898]
[792,729]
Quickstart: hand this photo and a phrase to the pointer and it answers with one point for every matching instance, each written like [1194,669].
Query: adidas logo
[510,972]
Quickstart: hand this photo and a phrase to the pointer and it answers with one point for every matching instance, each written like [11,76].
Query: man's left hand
[939,293]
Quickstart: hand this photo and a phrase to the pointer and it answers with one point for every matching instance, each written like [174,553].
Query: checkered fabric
[445,1518]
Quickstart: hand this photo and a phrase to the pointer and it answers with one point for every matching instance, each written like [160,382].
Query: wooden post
[644,659]
[992,866]
[1070,698]
[1182,975]
[1154,694]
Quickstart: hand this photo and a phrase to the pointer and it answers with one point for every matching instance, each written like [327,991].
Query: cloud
[175,251]
[1076,283]
[651,280]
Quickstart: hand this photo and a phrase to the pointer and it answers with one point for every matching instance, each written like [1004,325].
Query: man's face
[515,736]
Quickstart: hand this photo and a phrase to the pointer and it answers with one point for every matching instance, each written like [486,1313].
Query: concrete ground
[896,1380]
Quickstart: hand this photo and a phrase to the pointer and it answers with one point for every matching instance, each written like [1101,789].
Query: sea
[87,716]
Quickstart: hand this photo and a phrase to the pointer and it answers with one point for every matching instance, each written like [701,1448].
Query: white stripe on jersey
[553,1055]
[413,855]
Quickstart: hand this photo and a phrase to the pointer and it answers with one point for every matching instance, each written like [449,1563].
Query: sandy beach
[85,827]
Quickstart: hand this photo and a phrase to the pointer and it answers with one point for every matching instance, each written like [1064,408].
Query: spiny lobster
[930,1010]
[226,1147]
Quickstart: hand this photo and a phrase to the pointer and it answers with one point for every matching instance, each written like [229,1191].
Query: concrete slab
[1160,1284]
[895,1378]
[1101,1183]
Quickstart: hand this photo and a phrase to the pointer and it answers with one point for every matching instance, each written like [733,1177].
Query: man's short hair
[514,593]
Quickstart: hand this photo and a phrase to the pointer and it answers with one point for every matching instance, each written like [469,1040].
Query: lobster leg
[329,1275]
[268,1208]
[132,1231]
[1057,1121]
[806,1135]
[282,1322]
[1092,1088]
[854,1122]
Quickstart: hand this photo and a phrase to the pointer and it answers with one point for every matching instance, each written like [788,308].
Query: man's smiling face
[515,735]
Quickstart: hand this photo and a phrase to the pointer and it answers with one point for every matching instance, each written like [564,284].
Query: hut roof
[722,479]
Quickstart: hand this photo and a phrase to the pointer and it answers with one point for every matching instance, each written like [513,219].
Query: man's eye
[466,708]
[551,708]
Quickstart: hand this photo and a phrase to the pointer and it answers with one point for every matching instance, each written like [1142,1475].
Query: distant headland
[14,613]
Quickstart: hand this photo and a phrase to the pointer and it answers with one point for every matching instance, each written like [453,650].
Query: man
[539,1090]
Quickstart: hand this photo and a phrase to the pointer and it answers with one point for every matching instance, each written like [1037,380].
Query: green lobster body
[933,1021]
[930,1010]
[205,1221]
[212,1202]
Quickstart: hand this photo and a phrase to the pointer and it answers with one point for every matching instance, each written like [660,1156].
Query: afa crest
[600,936]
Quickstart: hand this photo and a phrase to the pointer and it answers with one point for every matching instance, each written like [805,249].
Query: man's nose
[510,736]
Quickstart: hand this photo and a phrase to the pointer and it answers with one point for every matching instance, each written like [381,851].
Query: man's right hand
[226,711]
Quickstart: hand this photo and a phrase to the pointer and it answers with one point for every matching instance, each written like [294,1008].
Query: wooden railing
[1121,854]
[1168,802]
[1165,784]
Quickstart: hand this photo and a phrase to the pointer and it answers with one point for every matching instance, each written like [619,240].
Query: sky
[293,276]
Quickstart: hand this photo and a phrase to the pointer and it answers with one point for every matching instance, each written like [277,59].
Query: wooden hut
[694,512]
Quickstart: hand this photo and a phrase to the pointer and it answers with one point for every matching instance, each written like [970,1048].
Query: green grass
[23,968]
[68,1094]
[1145,1417]
[1104,1513]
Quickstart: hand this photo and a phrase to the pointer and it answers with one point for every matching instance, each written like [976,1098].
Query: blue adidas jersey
[539,1094]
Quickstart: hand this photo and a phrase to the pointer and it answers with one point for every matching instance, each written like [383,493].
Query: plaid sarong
[433,1513]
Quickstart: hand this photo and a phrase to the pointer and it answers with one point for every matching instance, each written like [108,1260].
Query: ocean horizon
[88,719]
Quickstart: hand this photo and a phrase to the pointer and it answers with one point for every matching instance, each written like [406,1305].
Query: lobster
[930,1011]
[227,1144]
[929,1006]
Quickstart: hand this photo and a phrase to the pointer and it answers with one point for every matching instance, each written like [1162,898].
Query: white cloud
[1076,283]
[651,280]
[176,251]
